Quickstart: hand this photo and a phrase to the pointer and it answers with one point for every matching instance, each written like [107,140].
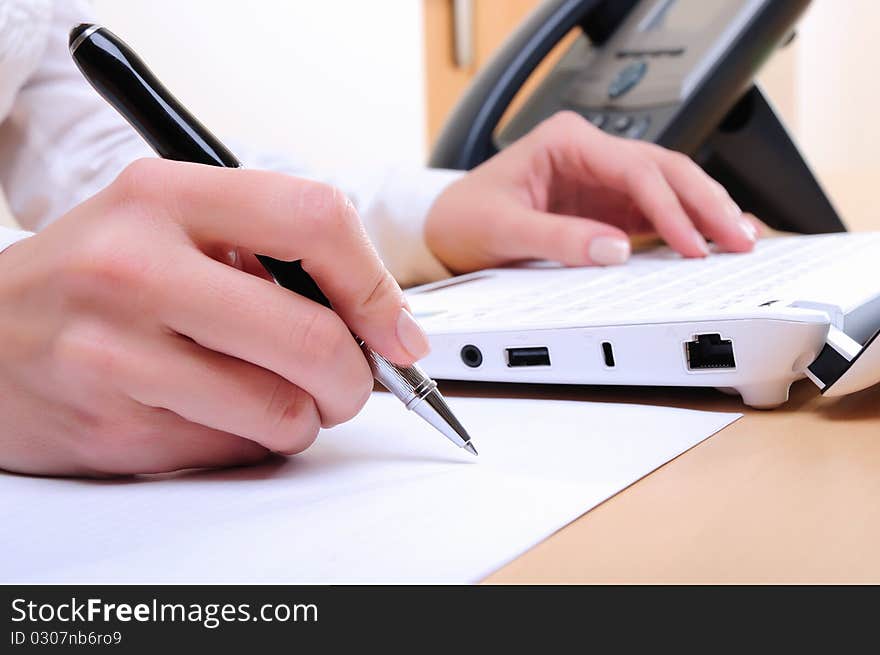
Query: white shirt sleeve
[61,144]
[9,235]
[395,219]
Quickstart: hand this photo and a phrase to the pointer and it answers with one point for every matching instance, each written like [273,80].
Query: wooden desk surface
[789,495]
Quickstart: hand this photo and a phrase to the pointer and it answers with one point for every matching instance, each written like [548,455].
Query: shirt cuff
[9,235]
[396,221]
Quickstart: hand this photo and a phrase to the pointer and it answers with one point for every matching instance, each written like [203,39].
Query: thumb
[569,240]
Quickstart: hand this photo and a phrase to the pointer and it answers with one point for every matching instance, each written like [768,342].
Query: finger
[707,202]
[760,226]
[201,447]
[583,151]
[288,219]
[250,264]
[239,258]
[223,393]
[242,316]
[195,446]
[570,240]
[171,443]
[656,200]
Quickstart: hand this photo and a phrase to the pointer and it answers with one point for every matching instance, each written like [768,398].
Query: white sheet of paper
[381,499]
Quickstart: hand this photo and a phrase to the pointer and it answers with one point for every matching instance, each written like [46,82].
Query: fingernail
[411,335]
[719,191]
[232,258]
[609,251]
[700,243]
[734,213]
[748,228]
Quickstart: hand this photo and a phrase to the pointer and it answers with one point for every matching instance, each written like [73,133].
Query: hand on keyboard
[570,193]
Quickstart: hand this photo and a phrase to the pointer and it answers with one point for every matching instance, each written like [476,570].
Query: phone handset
[466,139]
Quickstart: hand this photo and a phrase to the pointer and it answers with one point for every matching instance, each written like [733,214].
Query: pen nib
[435,411]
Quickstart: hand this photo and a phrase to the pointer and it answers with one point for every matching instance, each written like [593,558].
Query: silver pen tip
[470,448]
[434,410]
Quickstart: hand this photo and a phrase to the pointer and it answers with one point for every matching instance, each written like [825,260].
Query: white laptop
[745,323]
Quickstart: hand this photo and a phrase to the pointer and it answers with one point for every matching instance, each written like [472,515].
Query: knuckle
[344,214]
[141,181]
[690,168]
[107,264]
[359,388]
[563,123]
[325,350]
[314,333]
[718,190]
[642,172]
[89,350]
[292,421]
[381,294]
[653,150]
[672,158]
[323,209]
[681,160]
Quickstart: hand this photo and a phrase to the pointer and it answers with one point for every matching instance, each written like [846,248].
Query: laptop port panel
[709,351]
[533,356]
[762,352]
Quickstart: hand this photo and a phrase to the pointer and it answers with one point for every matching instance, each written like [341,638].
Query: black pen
[123,80]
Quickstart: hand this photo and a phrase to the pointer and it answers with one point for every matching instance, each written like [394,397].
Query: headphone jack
[471,356]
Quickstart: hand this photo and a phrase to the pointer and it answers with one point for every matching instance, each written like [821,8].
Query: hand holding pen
[340,260]
[141,323]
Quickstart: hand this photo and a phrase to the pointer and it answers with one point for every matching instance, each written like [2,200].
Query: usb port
[536,356]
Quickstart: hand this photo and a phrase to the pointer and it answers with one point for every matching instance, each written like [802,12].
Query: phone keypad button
[638,128]
[597,119]
[621,123]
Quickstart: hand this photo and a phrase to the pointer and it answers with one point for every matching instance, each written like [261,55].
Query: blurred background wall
[836,91]
[331,80]
[344,81]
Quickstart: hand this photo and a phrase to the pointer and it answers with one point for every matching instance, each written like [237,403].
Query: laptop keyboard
[661,282]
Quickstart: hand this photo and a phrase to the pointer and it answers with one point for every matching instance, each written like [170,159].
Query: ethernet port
[708,351]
